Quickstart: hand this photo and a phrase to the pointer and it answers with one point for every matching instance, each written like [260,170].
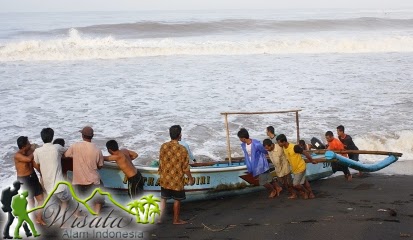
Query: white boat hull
[210,181]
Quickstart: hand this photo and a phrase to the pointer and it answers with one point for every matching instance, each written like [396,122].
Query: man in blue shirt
[256,161]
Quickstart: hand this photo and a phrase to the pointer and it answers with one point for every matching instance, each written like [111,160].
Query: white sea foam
[400,141]
[361,79]
[78,47]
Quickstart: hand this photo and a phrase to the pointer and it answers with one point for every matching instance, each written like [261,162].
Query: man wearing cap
[87,159]
[6,197]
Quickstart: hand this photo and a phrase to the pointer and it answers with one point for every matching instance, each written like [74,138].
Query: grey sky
[136,5]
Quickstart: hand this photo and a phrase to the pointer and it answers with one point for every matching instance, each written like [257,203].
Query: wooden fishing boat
[230,177]
[214,179]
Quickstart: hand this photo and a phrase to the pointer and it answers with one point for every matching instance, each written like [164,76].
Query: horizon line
[401,8]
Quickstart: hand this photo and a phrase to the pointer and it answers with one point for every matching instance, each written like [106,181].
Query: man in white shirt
[48,158]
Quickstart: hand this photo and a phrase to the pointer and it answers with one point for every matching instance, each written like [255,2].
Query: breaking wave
[159,29]
[78,47]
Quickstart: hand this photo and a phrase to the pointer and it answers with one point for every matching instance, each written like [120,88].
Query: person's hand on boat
[191,181]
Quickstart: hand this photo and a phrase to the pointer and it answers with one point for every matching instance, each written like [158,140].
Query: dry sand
[375,206]
[360,209]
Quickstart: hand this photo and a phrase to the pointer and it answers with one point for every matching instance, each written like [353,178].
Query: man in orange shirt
[335,144]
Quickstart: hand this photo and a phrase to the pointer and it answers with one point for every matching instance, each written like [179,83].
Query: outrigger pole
[256,113]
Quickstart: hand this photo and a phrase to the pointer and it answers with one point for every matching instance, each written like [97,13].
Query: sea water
[131,75]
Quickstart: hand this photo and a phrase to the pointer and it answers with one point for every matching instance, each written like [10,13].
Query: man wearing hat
[87,159]
[6,197]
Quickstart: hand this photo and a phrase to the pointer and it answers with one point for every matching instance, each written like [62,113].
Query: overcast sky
[136,5]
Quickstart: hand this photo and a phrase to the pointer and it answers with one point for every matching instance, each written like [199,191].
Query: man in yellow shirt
[298,166]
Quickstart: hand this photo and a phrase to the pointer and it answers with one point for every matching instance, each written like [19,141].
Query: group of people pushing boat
[174,160]
[287,158]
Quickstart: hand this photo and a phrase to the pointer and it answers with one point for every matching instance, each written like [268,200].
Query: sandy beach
[374,206]
[360,209]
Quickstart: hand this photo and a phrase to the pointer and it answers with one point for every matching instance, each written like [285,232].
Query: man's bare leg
[286,180]
[309,190]
[277,187]
[177,209]
[273,191]
[162,209]
[31,202]
[39,214]
[301,190]
[97,207]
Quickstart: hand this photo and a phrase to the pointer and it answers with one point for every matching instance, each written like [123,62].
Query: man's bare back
[124,158]
[23,161]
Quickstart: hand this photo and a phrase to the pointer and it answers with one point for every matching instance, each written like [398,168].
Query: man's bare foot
[40,221]
[311,195]
[279,189]
[349,177]
[360,174]
[180,222]
[273,194]
[292,196]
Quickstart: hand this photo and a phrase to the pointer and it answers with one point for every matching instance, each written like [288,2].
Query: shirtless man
[123,157]
[23,161]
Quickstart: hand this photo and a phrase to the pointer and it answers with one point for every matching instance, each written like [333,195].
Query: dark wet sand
[342,210]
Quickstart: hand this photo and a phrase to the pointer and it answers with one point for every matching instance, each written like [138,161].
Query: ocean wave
[398,142]
[78,47]
[159,29]
[150,29]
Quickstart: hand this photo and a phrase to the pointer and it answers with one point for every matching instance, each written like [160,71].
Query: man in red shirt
[335,144]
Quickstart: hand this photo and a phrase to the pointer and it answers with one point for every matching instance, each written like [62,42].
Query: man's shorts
[265,178]
[176,195]
[86,190]
[31,184]
[354,156]
[299,178]
[64,196]
[135,185]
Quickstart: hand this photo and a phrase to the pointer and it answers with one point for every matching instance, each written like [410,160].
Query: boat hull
[214,181]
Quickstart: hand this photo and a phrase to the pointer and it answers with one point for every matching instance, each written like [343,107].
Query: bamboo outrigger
[323,151]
